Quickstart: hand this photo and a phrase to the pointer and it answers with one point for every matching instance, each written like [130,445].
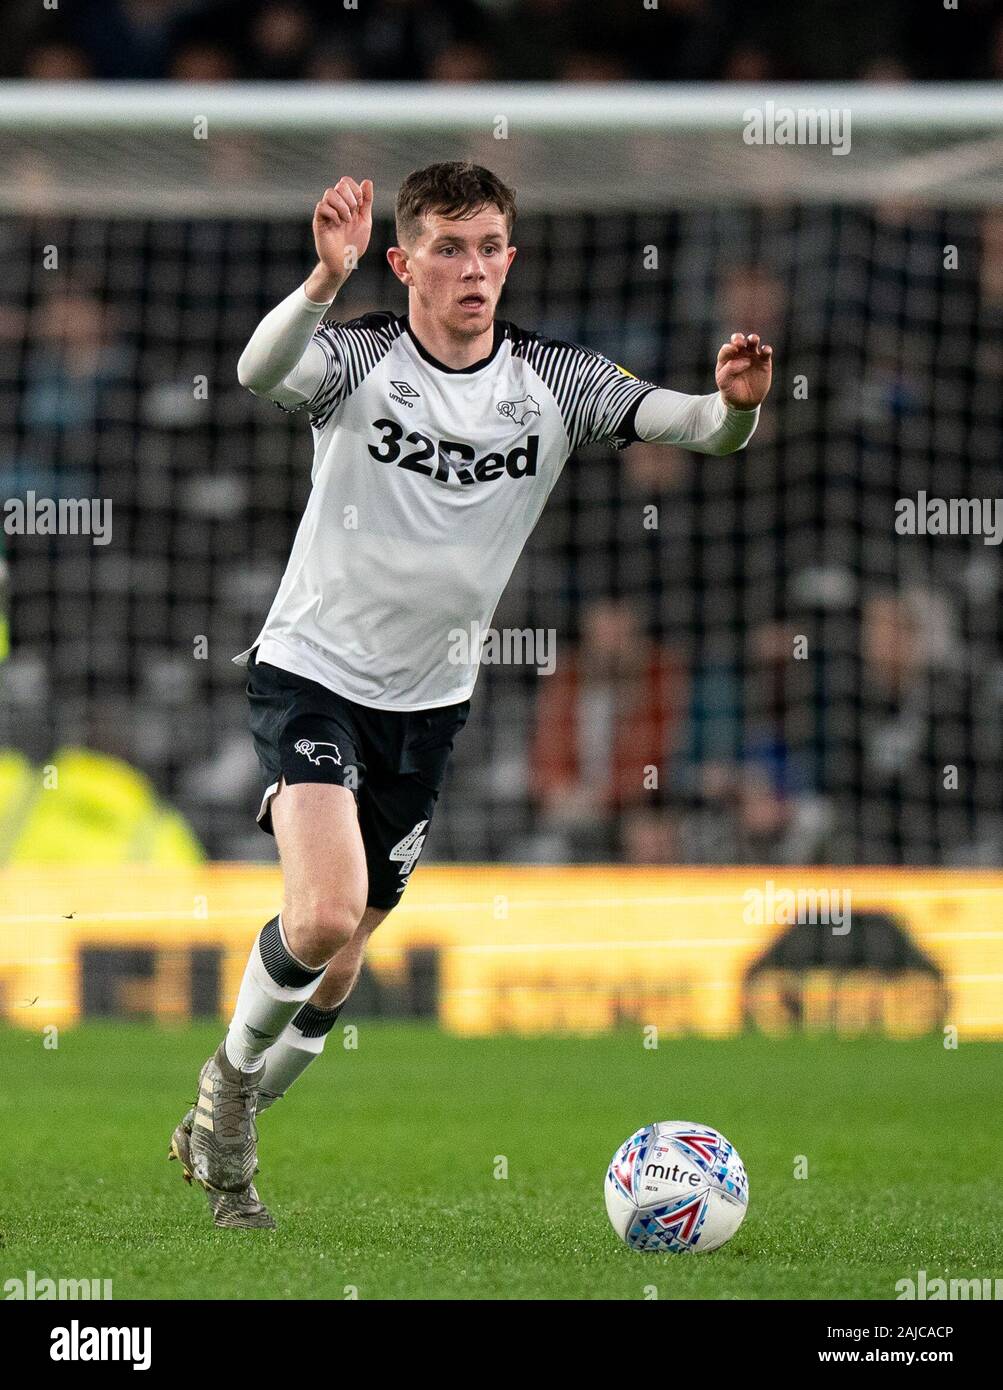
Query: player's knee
[319,925]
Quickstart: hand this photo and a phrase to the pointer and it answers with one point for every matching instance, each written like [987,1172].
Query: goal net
[787,656]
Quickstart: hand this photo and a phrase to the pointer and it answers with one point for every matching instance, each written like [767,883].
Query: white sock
[301,1042]
[275,986]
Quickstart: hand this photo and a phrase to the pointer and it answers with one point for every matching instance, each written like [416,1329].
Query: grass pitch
[380,1166]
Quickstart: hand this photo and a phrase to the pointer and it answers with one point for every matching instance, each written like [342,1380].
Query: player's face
[458,267]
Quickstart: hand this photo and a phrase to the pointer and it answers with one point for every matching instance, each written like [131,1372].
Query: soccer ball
[676,1186]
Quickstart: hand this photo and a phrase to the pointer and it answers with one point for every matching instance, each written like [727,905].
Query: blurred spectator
[282,35]
[71,362]
[919,716]
[462,62]
[746,782]
[746,63]
[649,835]
[887,70]
[751,293]
[991,259]
[604,721]
[203,62]
[58,62]
[69,368]
[332,63]
[653,469]
[585,65]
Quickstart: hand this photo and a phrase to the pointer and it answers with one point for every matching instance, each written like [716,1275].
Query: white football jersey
[427,482]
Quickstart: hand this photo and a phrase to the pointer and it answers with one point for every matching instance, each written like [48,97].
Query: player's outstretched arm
[280,360]
[726,419]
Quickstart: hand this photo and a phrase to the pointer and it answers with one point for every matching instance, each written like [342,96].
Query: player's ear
[509,258]
[398,261]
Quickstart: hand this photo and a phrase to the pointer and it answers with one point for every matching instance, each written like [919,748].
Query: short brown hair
[456,188]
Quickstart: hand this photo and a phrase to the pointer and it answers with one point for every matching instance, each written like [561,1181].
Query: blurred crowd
[505,40]
[638,758]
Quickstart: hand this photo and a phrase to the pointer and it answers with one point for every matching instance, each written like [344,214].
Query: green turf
[379,1166]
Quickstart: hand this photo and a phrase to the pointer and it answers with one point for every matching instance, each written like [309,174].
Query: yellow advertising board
[533,949]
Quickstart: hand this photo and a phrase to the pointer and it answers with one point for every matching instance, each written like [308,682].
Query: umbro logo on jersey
[520,411]
[404,394]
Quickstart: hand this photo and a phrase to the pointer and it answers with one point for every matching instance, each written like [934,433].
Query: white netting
[803,675]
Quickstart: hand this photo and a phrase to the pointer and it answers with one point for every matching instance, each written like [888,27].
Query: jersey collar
[499,338]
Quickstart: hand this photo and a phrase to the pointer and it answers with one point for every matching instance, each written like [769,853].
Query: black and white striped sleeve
[598,399]
[607,401]
[300,363]
[327,349]
[350,352]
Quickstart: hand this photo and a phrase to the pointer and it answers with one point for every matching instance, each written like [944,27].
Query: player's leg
[324,866]
[324,897]
[386,817]
[342,973]
[306,1034]
[325,881]
[307,744]
[395,811]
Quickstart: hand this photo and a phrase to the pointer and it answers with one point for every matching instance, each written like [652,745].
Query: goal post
[149,148]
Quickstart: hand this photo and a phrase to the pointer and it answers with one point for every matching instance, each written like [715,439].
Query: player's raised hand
[342,226]
[744,371]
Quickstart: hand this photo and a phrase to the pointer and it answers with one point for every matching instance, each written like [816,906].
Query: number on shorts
[405,852]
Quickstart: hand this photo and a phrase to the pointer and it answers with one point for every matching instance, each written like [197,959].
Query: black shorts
[393,762]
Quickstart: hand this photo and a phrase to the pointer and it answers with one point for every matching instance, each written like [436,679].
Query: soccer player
[438,436]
